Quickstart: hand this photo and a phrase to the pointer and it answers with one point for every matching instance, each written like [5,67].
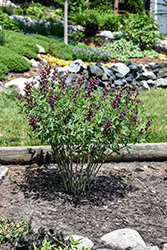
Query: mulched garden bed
[126,195]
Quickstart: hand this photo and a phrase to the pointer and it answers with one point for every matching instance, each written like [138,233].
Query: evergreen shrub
[24,48]
[13,61]
[3,71]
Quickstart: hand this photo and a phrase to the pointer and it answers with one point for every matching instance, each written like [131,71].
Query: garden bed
[126,195]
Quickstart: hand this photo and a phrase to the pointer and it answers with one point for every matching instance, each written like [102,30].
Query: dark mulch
[132,195]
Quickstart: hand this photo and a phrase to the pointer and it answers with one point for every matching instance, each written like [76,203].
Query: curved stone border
[44,154]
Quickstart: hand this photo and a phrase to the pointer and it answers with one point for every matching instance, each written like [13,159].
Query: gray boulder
[161,82]
[123,238]
[122,68]
[146,248]
[95,70]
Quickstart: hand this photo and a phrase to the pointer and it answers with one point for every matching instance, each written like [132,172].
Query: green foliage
[52,29]
[134,6]
[56,29]
[2,38]
[3,71]
[141,30]
[75,5]
[22,235]
[13,61]
[110,21]
[79,120]
[8,9]
[36,9]
[101,4]
[24,48]
[76,37]
[106,20]
[93,16]
[158,130]
[122,50]
[7,23]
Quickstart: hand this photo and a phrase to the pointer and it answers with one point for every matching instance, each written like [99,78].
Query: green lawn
[155,102]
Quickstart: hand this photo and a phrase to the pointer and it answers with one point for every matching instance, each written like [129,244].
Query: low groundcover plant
[77,119]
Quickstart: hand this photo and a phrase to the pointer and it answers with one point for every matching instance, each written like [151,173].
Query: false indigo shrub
[79,120]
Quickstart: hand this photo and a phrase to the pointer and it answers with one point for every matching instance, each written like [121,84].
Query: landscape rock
[145,85]
[95,70]
[41,49]
[85,242]
[164,247]
[122,68]
[74,67]
[149,75]
[107,33]
[146,248]
[123,238]
[161,82]
[123,75]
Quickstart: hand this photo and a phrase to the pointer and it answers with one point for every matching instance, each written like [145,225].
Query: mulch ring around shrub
[125,195]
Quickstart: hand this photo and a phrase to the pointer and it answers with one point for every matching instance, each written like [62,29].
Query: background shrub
[13,61]
[141,29]
[3,71]
[24,48]
[7,23]
[110,21]
[134,6]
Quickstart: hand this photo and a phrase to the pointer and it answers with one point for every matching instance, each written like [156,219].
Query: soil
[125,195]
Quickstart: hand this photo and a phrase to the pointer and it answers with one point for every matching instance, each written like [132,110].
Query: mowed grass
[15,131]
[155,103]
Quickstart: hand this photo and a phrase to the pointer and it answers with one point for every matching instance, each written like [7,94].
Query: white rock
[123,69]
[41,49]
[34,63]
[41,58]
[145,85]
[146,248]
[149,74]
[18,83]
[78,61]
[107,33]
[123,238]
[161,82]
[164,247]
[85,242]
[150,82]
